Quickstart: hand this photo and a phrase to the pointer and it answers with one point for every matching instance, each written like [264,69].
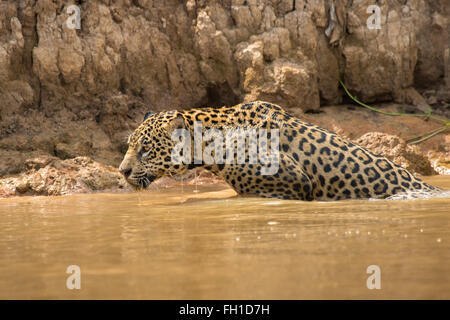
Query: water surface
[180,244]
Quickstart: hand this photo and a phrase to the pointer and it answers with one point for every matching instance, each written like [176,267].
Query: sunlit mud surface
[180,244]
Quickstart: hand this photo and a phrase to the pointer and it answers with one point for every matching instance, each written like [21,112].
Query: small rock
[117,14]
[431,100]
[22,187]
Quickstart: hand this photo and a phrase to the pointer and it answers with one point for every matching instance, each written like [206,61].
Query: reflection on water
[161,244]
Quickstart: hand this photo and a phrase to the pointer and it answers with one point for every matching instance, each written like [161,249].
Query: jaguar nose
[126,172]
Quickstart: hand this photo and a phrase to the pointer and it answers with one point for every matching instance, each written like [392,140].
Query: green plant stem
[426,115]
[395,114]
[429,135]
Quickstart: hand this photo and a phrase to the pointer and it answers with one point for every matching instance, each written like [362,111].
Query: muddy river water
[177,243]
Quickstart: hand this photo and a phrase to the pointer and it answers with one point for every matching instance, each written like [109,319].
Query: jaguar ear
[148,114]
[178,122]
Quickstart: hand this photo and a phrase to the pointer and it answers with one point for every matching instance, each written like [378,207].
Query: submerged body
[314,164]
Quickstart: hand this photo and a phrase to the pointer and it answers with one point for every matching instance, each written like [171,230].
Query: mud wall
[68,91]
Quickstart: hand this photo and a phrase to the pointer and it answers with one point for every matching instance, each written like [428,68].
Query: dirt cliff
[67,91]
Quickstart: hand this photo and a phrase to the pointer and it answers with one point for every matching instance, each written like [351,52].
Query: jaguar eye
[143,153]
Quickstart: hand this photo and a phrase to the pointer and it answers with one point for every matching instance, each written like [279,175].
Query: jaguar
[314,163]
